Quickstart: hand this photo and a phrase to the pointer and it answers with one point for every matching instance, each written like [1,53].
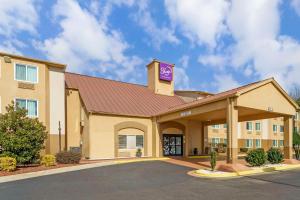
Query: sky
[215,45]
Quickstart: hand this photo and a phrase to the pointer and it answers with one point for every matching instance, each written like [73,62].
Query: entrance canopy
[259,100]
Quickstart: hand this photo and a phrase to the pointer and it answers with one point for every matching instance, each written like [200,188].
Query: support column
[186,139]
[232,132]
[288,137]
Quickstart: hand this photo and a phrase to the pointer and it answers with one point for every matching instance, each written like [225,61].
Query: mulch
[33,168]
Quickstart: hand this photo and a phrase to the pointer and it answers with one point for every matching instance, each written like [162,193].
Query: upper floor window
[258,126]
[274,128]
[30,105]
[216,126]
[249,126]
[26,73]
[281,129]
[224,126]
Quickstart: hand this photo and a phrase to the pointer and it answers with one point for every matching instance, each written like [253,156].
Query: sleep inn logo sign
[165,72]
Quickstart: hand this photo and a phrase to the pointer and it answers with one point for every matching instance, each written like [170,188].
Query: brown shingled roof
[105,96]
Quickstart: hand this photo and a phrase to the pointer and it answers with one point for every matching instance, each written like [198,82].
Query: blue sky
[216,45]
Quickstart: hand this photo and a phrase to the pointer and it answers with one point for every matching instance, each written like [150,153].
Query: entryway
[172,145]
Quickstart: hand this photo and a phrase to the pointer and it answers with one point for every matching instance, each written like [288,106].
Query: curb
[28,175]
[195,173]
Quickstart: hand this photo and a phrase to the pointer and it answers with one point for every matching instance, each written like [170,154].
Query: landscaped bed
[34,168]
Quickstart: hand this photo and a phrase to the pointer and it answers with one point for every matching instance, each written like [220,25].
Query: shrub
[244,150]
[256,157]
[274,155]
[138,153]
[296,144]
[8,164]
[68,157]
[21,137]
[213,160]
[48,160]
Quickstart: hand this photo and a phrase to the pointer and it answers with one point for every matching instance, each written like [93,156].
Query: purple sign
[165,72]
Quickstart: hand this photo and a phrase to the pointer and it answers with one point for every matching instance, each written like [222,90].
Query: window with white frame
[224,126]
[281,143]
[274,128]
[258,143]
[274,143]
[26,73]
[225,140]
[131,141]
[249,126]
[30,105]
[217,126]
[215,141]
[281,129]
[249,143]
[258,126]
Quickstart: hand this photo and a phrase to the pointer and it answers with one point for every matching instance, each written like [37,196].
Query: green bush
[213,160]
[68,157]
[296,144]
[21,137]
[274,155]
[256,157]
[8,164]
[48,160]
[244,150]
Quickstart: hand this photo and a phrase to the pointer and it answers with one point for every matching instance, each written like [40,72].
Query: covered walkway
[256,101]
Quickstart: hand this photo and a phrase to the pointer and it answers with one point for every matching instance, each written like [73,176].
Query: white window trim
[135,143]
[259,127]
[276,143]
[251,143]
[276,128]
[251,127]
[26,81]
[259,143]
[37,105]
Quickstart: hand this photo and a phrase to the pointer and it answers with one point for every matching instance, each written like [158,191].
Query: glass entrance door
[172,145]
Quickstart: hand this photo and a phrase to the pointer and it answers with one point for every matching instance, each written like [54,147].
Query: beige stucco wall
[156,85]
[102,134]
[10,89]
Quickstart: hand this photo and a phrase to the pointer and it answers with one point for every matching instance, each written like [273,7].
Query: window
[30,105]
[281,129]
[281,143]
[258,143]
[225,126]
[131,141]
[297,116]
[274,128]
[225,141]
[249,143]
[274,143]
[249,126]
[26,73]
[216,126]
[257,126]
[215,141]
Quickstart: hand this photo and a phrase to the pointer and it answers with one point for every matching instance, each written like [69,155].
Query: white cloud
[181,78]
[17,16]
[225,82]
[296,5]
[184,61]
[201,21]
[217,61]
[255,27]
[158,35]
[85,42]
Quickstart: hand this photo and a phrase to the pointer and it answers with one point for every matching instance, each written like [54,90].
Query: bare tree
[295,93]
